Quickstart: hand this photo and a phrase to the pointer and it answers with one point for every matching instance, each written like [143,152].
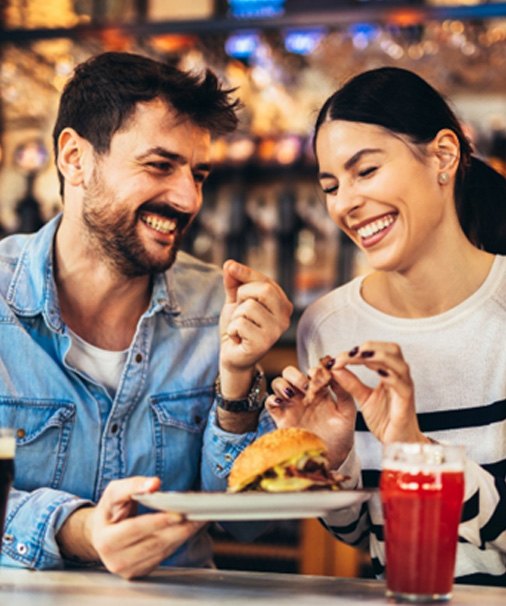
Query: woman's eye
[330,189]
[365,172]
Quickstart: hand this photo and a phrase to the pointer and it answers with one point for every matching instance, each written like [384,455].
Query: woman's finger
[296,378]
[284,389]
[379,357]
[351,384]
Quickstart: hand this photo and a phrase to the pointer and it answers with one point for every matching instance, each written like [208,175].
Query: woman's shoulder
[331,304]
[498,280]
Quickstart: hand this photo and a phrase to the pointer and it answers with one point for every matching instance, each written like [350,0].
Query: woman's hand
[389,408]
[330,415]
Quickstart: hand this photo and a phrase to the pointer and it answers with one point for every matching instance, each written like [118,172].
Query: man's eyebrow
[173,156]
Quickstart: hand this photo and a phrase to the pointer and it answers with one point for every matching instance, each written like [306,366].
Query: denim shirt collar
[32,290]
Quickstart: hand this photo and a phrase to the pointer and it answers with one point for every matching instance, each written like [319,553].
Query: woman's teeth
[165,226]
[376,226]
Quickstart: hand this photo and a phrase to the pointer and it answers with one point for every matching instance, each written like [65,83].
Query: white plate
[222,506]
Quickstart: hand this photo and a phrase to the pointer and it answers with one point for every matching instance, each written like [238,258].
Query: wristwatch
[252,402]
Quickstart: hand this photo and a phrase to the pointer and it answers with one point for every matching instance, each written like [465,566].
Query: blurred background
[262,205]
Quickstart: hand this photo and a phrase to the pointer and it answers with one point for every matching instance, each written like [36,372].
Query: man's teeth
[166,226]
[376,226]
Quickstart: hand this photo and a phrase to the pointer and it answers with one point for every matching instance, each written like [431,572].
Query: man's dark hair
[105,90]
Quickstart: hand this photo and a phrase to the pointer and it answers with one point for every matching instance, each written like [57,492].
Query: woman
[400,180]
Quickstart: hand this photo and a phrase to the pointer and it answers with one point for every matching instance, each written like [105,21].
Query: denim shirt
[72,437]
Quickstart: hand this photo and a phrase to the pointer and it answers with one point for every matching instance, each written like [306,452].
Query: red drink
[422,506]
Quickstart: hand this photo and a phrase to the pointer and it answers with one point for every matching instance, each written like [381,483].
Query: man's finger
[140,557]
[119,493]
[235,274]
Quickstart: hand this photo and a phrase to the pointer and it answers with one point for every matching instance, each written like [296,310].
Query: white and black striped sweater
[458,364]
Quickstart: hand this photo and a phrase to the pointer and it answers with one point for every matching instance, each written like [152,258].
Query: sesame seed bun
[271,449]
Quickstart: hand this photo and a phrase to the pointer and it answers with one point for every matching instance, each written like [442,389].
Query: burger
[284,460]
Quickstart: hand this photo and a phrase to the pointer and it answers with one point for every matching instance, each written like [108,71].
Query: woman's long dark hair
[404,103]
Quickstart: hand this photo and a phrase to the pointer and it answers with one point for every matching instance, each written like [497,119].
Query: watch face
[31,155]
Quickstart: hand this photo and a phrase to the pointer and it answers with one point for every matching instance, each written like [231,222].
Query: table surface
[183,587]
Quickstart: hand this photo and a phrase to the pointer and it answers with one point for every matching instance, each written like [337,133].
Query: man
[111,341]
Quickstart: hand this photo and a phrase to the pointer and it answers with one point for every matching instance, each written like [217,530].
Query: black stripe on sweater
[377,567]
[497,523]
[477,416]
[497,469]
[471,507]
[370,478]
[479,578]
[378,531]
[350,527]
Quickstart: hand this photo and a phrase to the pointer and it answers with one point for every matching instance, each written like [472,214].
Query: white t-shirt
[101,365]
[458,364]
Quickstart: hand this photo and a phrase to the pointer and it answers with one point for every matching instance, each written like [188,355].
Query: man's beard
[114,232]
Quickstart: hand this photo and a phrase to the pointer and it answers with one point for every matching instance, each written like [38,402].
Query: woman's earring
[443,178]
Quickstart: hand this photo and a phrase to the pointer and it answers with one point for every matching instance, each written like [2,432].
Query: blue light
[242,45]
[256,8]
[365,30]
[302,42]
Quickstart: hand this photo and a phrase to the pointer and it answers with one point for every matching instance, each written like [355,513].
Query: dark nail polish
[367,354]
[278,401]
[288,391]
[329,362]
[306,387]
[382,372]
[353,352]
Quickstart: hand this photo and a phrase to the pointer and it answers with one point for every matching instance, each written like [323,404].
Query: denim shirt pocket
[43,429]
[179,420]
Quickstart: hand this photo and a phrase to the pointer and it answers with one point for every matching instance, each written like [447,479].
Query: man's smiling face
[143,194]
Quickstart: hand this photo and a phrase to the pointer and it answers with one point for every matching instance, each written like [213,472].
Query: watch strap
[252,402]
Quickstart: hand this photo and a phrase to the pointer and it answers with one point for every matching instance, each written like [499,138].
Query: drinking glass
[7,450]
[422,491]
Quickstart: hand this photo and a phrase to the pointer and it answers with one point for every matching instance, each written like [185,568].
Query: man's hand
[128,545]
[256,313]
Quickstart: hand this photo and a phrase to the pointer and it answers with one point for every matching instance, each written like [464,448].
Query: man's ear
[70,156]
[446,147]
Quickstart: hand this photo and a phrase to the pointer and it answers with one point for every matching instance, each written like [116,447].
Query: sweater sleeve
[351,525]
[483,518]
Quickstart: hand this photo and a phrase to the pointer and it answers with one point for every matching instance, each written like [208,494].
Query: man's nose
[185,191]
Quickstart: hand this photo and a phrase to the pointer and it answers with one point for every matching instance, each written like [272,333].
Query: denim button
[114,428]
[8,538]
[21,548]
[228,457]
[138,358]
[21,433]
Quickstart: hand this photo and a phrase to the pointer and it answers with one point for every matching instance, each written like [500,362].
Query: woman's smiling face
[381,190]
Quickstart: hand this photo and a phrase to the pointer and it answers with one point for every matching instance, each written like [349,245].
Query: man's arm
[255,314]
[46,528]
[127,545]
